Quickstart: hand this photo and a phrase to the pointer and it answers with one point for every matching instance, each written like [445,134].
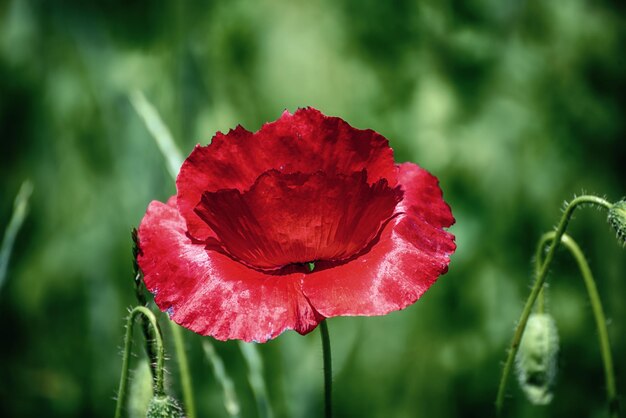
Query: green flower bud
[617,219]
[537,357]
[164,407]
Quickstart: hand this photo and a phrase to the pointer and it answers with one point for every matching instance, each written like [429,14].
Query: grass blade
[255,377]
[230,396]
[183,368]
[159,131]
[20,210]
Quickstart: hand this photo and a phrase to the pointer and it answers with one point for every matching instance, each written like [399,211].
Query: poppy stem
[128,342]
[328,370]
[538,286]
[141,299]
[598,313]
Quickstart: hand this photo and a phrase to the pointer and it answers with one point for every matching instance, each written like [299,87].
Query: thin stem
[128,341]
[328,370]
[598,313]
[538,286]
[183,368]
[541,246]
[145,325]
[141,299]
[541,300]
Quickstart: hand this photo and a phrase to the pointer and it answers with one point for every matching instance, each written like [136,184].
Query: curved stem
[128,341]
[328,370]
[179,345]
[183,368]
[141,299]
[145,323]
[598,313]
[538,286]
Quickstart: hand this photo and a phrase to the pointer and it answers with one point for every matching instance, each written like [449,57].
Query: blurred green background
[515,105]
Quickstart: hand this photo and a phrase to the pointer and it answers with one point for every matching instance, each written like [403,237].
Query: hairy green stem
[128,341]
[328,370]
[183,369]
[145,324]
[538,262]
[598,313]
[538,286]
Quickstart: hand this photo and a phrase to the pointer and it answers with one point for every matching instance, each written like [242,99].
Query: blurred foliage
[514,105]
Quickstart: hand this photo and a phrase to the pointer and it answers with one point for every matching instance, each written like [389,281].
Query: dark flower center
[298,218]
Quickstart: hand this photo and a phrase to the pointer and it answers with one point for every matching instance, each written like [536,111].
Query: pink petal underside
[210,293]
[297,218]
[410,254]
[306,141]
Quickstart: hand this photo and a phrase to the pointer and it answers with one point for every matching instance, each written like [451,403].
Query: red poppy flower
[229,255]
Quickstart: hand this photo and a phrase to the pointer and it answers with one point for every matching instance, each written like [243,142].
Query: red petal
[422,196]
[306,142]
[298,218]
[210,293]
[407,259]
[411,253]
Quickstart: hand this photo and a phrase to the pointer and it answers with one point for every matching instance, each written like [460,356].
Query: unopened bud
[164,407]
[536,359]
[617,219]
